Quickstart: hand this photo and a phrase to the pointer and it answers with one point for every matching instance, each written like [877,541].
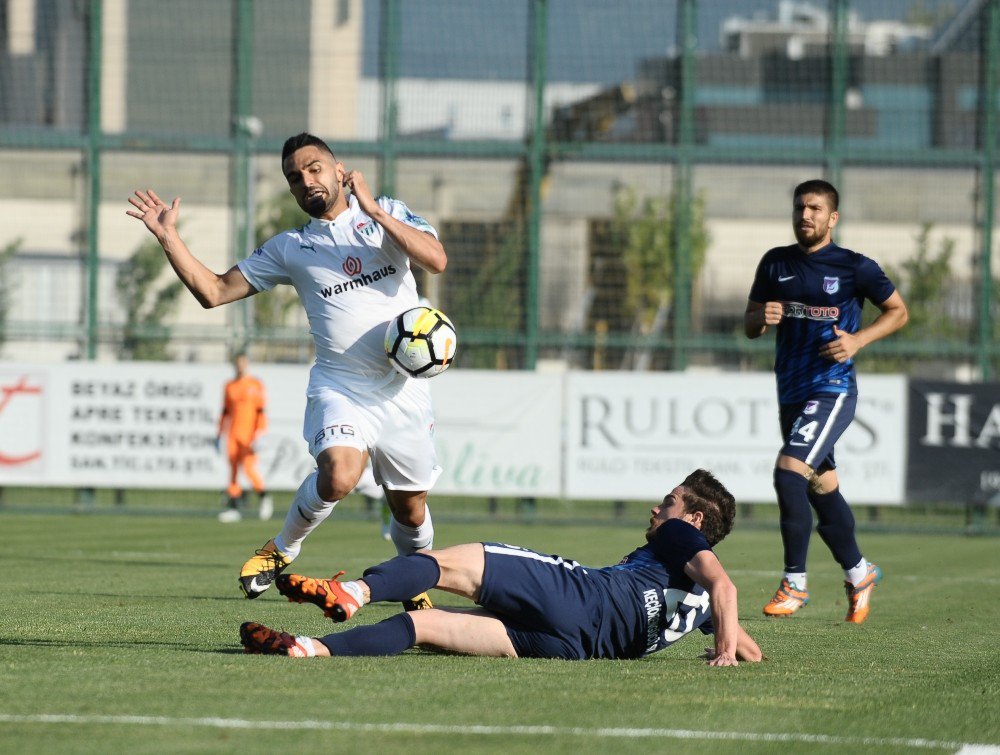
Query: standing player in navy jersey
[813,292]
[534,605]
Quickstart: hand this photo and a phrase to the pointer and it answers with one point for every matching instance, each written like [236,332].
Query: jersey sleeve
[872,281]
[676,542]
[265,267]
[759,289]
[404,214]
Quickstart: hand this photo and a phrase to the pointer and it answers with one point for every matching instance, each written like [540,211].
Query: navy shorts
[547,604]
[812,428]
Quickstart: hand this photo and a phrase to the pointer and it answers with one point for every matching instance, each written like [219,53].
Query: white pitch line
[416,728]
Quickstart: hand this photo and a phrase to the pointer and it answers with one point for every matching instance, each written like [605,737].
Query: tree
[146,305]
[6,254]
[644,234]
[925,282]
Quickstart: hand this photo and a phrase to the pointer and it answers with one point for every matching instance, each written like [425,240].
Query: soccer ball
[421,342]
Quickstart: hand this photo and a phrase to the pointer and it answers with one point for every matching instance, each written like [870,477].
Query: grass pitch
[119,633]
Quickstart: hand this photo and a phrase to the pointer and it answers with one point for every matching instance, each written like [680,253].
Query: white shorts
[396,430]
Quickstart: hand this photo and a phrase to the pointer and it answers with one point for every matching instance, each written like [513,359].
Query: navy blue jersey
[555,608]
[818,290]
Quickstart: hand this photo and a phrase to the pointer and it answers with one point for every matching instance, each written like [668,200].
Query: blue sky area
[590,40]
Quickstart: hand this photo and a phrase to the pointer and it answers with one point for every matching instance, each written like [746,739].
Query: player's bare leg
[470,632]
[410,529]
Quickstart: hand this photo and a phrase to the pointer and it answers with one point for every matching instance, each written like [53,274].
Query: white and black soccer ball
[421,342]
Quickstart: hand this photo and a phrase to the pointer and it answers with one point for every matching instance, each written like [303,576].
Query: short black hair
[704,493]
[305,139]
[819,186]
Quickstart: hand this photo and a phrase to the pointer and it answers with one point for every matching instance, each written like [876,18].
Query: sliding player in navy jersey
[813,292]
[534,605]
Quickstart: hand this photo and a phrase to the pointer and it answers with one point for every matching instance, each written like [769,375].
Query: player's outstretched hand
[720,659]
[157,215]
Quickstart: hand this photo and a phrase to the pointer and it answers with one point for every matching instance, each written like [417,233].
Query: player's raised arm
[732,644]
[209,288]
[421,247]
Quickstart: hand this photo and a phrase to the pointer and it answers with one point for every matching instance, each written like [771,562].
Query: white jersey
[351,279]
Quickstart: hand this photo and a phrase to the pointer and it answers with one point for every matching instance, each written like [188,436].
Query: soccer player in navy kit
[813,292]
[535,605]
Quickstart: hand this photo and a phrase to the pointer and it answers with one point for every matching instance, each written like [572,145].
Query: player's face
[240,364]
[813,220]
[314,179]
[671,507]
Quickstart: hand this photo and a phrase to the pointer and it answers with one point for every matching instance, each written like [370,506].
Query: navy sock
[796,517]
[402,577]
[836,527]
[389,637]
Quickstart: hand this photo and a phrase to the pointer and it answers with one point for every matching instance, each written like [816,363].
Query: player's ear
[694,518]
[834,217]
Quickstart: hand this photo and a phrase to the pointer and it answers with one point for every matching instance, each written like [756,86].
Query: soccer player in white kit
[351,266]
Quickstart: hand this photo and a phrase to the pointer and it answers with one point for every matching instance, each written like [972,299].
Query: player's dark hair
[819,186]
[305,139]
[704,493]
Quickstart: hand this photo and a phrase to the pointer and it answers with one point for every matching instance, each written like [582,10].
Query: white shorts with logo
[395,428]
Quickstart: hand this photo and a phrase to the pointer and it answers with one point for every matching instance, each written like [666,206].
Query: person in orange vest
[243,421]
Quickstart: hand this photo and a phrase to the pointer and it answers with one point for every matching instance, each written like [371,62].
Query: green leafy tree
[146,304]
[644,233]
[925,282]
[6,254]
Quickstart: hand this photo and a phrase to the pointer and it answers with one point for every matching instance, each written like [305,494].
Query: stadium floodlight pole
[94,62]
[390,41]
[988,104]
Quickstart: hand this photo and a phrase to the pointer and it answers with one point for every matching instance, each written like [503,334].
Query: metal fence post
[94,51]
[988,104]
[839,68]
[683,193]
[538,53]
[389,43]
[243,130]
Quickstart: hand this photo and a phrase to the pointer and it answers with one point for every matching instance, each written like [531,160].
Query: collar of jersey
[345,217]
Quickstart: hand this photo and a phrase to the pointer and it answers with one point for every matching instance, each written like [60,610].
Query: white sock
[304,648]
[355,591]
[797,579]
[306,513]
[410,539]
[857,573]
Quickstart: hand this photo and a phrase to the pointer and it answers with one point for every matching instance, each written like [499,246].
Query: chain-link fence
[604,176]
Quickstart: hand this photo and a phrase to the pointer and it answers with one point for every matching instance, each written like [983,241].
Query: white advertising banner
[152,425]
[498,433]
[139,425]
[574,435]
[635,436]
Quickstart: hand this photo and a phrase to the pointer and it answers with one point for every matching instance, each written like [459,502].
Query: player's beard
[317,205]
[810,235]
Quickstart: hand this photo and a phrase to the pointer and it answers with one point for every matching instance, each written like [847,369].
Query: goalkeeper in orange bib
[243,421]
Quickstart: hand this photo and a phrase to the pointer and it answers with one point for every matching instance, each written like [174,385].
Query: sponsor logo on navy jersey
[811,311]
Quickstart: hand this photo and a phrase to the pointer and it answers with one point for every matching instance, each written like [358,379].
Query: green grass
[137,616]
